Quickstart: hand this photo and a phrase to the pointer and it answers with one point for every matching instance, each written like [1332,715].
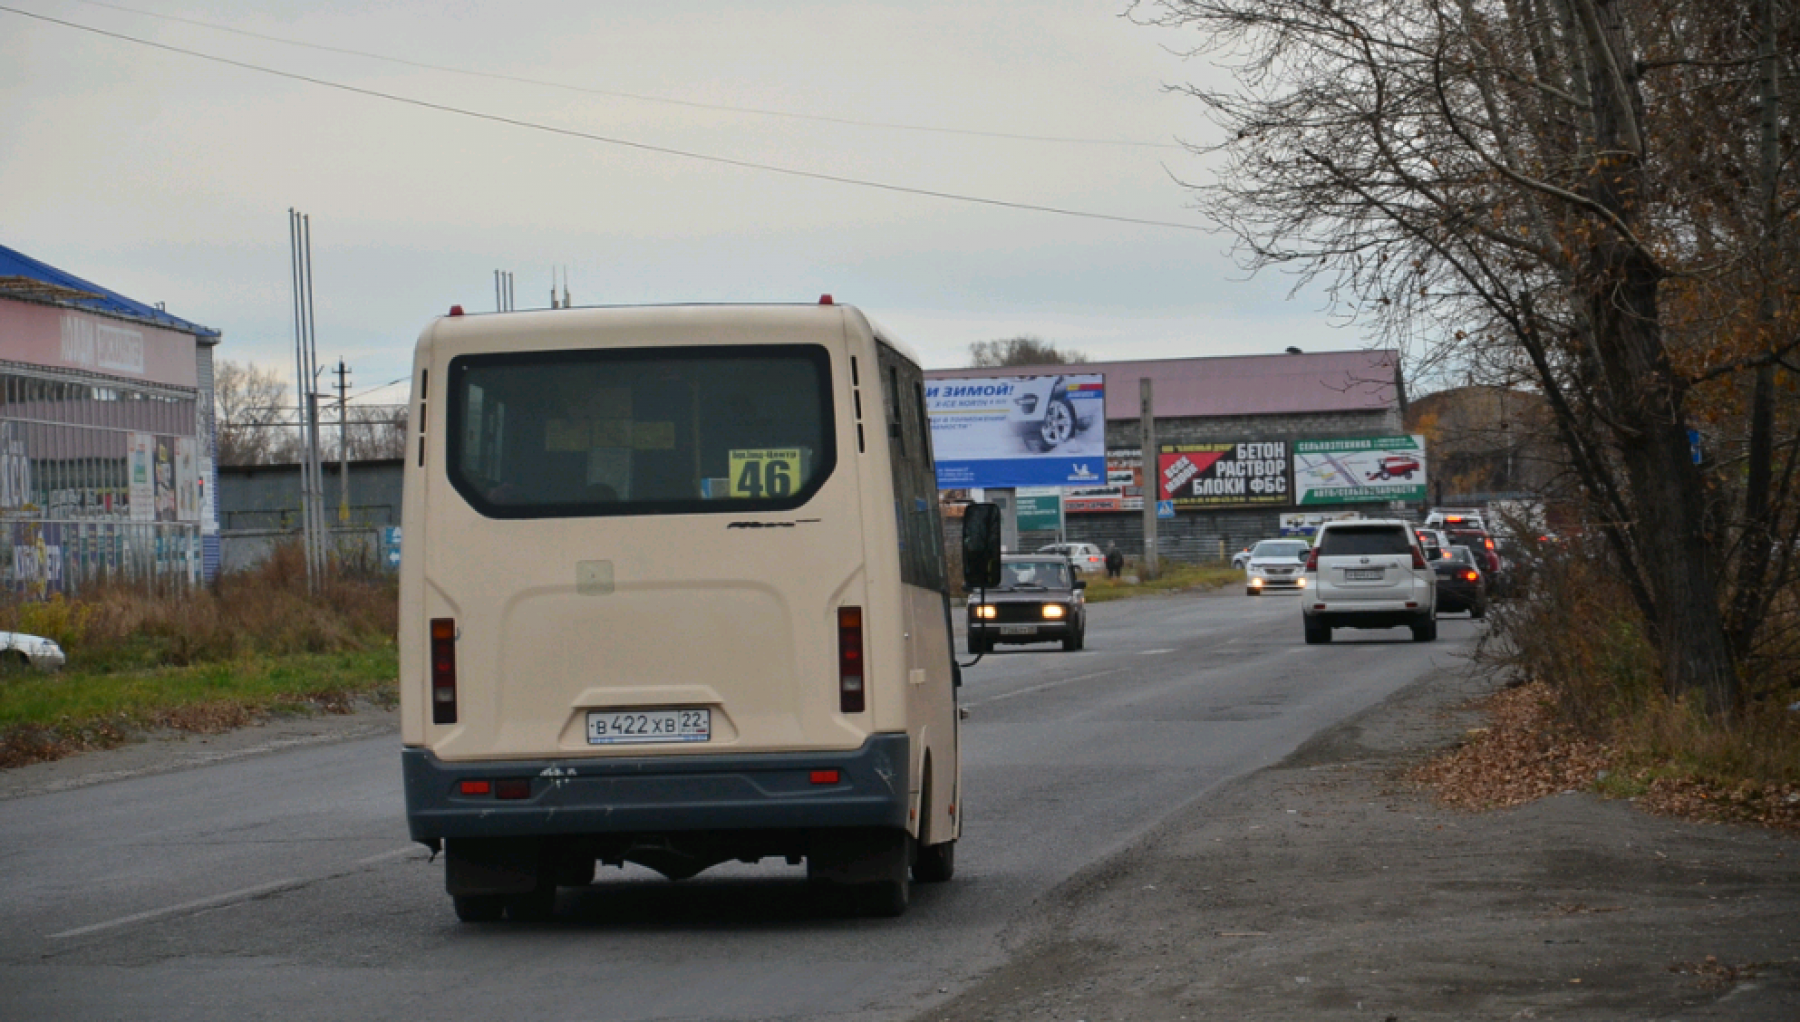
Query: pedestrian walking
[1115,561]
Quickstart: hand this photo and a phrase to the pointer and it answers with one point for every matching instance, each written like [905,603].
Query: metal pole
[312,409]
[294,251]
[1151,472]
[343,444]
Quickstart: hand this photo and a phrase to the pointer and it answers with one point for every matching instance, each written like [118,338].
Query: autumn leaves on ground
[254,645]
[1582,708]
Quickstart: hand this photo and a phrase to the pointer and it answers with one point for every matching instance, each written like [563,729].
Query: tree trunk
[1676,552]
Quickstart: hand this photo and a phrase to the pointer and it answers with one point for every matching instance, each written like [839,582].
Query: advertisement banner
[187,481]
[1012,431]
[140,476]
[1124,489]
[1040,509]
[1223,474]
[1361,469]
[15,467]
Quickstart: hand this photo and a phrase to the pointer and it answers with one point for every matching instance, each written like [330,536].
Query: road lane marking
[1045,687]
[1153,652]
[234,897]
[196,905]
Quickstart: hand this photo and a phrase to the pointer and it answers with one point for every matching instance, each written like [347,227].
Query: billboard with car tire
[1012,431]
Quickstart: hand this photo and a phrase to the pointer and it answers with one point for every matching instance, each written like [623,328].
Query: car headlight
[985,611]
[1302,581]
[1054,611]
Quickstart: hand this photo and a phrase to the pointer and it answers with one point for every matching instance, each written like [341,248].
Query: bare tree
[254,417]
[1021,351]
[1592,198]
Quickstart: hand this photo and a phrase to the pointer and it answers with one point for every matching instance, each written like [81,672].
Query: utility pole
[1151,472]
[343,444]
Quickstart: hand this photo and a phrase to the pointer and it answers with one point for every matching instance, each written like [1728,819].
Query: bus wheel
[936,863]
[885,899]
[534,905]
[479,908]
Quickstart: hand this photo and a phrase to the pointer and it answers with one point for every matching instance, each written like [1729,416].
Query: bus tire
[479,908]
[884,899]
[936,863]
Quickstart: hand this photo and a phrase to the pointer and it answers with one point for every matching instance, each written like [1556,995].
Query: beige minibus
[674,593]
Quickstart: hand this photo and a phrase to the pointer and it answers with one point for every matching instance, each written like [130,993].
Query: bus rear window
[640,430]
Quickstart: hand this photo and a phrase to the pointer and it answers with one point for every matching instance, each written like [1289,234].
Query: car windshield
[1461,555]
[1273,550]
[1364,540]
[1034,575]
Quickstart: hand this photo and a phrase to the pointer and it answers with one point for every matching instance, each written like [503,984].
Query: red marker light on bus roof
[826,300]
[456,310]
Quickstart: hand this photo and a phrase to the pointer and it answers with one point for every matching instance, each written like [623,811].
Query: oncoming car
[1039,599]
[1276,564]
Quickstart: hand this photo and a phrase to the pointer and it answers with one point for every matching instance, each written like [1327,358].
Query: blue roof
[91,297]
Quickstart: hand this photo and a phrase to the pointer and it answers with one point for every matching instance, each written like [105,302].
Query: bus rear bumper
[659,794]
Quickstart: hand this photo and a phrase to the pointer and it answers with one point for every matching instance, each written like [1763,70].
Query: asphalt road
[283,886]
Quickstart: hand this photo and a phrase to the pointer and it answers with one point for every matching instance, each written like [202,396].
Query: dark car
[1039,599]
[1461,584]
[1481,544]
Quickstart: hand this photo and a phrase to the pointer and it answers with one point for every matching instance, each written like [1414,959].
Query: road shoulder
[166,751]
[1327,886]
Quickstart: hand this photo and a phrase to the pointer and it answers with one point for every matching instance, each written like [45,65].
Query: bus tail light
[851,695]
[443,670]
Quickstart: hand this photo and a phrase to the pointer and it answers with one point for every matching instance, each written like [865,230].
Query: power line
[641,97]
[607,140]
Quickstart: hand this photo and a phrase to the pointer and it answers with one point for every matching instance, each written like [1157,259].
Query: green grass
[224,691]
[1174,579]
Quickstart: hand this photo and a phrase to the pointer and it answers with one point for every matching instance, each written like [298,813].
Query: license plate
[648,727]
[1018,629]
[1362,574]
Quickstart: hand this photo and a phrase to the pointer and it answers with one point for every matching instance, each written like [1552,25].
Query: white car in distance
[1276,564]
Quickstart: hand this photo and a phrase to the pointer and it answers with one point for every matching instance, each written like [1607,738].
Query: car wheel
[1478,609]
[1058,425]
[1071,642]
[1426,630]
[977,644]
[1317,632]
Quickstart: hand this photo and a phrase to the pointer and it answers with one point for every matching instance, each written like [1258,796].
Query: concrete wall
[263,497]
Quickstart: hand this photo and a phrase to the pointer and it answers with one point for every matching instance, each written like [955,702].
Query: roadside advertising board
[1305,526]
[1012,431]
[1224,474]
[1124,489]
[1379,468]
[1040,509]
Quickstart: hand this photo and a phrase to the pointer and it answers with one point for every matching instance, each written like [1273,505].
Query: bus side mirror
[981,546]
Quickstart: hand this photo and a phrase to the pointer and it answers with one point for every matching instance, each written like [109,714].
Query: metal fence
[62,556]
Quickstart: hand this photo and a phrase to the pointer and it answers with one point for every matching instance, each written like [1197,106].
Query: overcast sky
[168,177]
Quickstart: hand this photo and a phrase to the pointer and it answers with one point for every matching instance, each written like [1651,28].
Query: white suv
[1368,574]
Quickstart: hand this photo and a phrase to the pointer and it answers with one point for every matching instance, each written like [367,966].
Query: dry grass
[254,645]
[263,611]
